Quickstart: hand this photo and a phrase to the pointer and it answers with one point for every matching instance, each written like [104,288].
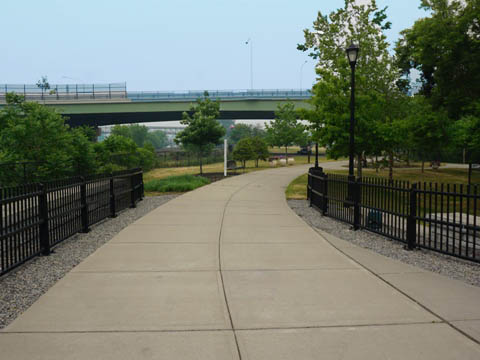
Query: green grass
[395,201]
[179,183]
[297,189]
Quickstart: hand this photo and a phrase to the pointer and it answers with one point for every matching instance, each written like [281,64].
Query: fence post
[113,212]
[83,200]
[325,195]
[142,196]
[43,212]
[356,204]
[132,191]
[411,220]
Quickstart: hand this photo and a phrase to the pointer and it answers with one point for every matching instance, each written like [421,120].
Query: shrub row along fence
[36,217]
[439,217]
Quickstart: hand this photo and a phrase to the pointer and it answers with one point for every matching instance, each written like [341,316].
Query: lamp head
[352,53]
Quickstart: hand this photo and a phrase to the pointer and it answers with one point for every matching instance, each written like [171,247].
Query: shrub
[180,183]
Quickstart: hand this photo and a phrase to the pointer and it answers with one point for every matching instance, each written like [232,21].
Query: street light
[249,41]
[352,54]
[301,71]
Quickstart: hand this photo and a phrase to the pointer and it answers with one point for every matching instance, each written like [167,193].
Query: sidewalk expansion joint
[274,328]
[220,267]
[426,308]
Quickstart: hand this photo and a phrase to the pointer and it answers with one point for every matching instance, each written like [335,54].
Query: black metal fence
[36,217]
[439,217]
[33,92]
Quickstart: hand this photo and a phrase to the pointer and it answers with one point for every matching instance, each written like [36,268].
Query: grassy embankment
[154,175]
[297,189]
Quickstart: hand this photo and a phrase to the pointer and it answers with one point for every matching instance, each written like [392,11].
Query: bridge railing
[65,91]
[84,92]
[219,94]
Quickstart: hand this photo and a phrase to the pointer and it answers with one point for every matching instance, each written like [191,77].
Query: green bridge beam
[122,112]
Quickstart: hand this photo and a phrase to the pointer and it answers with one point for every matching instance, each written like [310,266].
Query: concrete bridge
[108,104]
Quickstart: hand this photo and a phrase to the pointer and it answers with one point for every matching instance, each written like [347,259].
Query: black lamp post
[352,54]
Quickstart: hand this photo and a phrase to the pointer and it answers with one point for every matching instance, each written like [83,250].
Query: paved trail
[230,272]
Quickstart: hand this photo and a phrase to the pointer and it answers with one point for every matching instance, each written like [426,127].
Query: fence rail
[440,217]
[65,92]
[74,92]
[36,217]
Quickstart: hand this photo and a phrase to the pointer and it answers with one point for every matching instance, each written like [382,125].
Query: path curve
[229,271]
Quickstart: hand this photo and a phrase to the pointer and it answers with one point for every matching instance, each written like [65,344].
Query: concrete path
[230,272]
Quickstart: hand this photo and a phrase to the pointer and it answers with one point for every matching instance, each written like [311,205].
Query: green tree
[31,132]
[285,130]
[239,132]
[467,135]
[429,130]
[138,133]
[157,138]
[377,79]
[203,131]
[43,84]
[260,149]
[243,150]
[445,47]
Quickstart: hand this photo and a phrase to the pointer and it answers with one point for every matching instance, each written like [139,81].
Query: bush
[181,183]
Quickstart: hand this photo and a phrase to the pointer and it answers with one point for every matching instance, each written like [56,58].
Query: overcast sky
[166,45]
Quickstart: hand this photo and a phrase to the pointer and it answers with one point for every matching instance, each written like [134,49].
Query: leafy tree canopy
[445,47]
[203,131]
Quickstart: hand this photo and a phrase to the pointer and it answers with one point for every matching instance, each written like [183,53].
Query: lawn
[162,173]
[297,189]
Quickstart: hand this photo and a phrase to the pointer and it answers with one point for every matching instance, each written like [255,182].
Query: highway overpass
[108,104]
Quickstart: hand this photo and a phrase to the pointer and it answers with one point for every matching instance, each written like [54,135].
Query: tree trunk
[423,166]
[376,164]
[390,166]
[200,161]
[408,158]
[359,166]
[256,163]
[286,155]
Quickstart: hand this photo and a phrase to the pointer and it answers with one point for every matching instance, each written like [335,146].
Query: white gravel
[450,266]
[22,287]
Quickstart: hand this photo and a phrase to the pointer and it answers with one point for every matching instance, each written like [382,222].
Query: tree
[158,139]
[377,79]
[285,130]
[31,132]
[203,132]
[467,135]
[239,132]
[138,133]
[428,130]
[259,149]
[243,150]
[444,47]
[43,84]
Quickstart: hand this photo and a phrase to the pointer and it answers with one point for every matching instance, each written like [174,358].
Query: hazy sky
[167,45]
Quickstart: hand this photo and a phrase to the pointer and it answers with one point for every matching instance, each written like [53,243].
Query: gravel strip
[22,287]
[455,268]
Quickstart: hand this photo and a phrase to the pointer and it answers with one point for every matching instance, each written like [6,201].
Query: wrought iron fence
[36,217]
[440,217]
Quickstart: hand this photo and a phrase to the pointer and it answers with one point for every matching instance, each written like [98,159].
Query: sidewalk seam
[399,290]
[220,267]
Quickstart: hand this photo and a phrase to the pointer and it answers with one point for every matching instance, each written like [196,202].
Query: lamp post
[301,72]
[249,42]
[352,55]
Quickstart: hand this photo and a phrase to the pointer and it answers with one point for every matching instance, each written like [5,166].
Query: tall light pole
[352,54]
[249,42]
[301,72]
